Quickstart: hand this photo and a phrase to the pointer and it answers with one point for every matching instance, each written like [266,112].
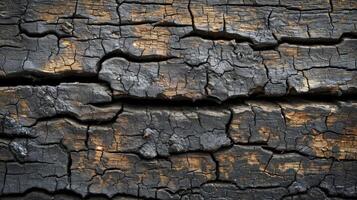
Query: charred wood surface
[178,99]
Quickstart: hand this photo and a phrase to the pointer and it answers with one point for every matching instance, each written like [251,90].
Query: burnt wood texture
[178,99]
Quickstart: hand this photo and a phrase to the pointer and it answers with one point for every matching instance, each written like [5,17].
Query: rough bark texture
[178,99]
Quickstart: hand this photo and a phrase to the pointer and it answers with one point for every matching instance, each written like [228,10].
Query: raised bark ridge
[178,99]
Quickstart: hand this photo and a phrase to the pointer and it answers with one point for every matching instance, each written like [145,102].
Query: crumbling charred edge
[83,122]
[68,193]
[43,79]
[132,58]
[42,34]
[276,151]
[273,150]
[208,35]
[302,42]
[318,41]
[38,79]
[176,102]
[223,35]
[169,24]
[210,102]
[40,190]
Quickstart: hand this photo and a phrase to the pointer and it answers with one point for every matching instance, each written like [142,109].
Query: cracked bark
[178,99]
